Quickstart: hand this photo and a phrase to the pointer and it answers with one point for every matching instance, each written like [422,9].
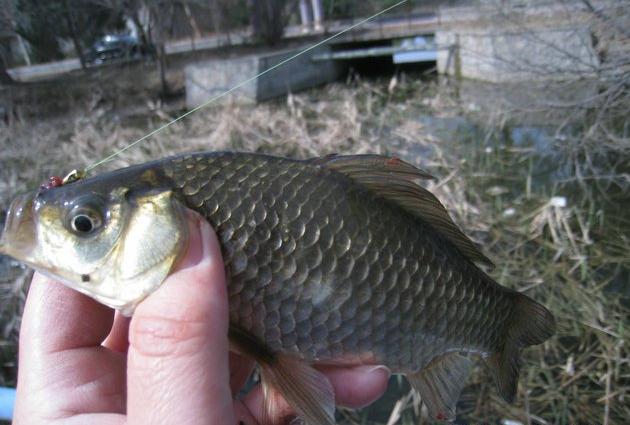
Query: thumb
[178,355]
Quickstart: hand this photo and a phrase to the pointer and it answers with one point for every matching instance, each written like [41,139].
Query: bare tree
[6,34]
[150,19]
[218,9]
[73,33]
[268,19]
[5,78]
[575,57]
[160,12]
[192,21]
[132,10]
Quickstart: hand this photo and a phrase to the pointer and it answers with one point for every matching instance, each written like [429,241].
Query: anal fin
[440,384]
[305,389]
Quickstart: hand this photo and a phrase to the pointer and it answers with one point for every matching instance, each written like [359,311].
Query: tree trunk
[215,16]
[5,77]
[162,66]
[158,39]
[268,20]
[73,34]
[192,21]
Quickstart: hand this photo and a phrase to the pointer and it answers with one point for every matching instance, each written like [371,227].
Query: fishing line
[238,86]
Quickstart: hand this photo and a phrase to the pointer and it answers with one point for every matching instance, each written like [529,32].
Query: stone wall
[508,42]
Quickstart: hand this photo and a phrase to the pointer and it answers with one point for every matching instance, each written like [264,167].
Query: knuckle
[164,337]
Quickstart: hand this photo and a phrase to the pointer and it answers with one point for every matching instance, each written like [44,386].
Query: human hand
[170,364]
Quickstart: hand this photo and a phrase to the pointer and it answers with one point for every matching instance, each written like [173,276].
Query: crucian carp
[332,260]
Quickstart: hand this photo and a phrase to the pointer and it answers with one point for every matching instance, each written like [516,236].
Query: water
[524,158]
[470,138]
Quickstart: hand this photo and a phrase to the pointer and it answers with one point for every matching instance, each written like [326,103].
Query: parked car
[113,47]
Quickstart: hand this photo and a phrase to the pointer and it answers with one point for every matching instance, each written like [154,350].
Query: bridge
[397,39]
[392,27]
[499,43]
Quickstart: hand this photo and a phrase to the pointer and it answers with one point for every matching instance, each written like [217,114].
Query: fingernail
[195,250]
[384,370]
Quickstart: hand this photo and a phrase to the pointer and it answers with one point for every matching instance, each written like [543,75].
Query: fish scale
[376,285]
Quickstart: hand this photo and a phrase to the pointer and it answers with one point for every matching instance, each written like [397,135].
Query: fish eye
[82,223]
[85,220]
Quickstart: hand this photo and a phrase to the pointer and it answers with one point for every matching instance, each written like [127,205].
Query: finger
[118,338]
[178,369]
[58,318]
[59,345]
[243,415]
[282,411]
[354,387]
[357,386]
[81,380]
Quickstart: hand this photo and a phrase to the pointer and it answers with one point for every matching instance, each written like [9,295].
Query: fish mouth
[18,235]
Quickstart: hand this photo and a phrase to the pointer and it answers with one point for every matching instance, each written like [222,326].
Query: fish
[341,259]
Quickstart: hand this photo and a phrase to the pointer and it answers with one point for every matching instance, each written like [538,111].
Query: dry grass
[564,256]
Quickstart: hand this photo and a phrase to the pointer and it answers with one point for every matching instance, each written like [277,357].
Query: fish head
[112,242]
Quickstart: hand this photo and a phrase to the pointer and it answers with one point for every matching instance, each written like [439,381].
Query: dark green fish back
[323,268]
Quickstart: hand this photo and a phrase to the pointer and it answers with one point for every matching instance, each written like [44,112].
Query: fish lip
[19,217]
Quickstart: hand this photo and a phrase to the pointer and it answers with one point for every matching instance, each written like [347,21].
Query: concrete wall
[501,43]
[208,79]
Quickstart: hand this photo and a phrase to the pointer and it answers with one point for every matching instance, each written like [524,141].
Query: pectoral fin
[305,389]
[440,384]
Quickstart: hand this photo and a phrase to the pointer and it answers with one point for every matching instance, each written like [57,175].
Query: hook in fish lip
[53,181]
[56,181]
[74,175]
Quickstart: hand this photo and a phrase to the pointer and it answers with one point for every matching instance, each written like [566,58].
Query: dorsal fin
[396,181]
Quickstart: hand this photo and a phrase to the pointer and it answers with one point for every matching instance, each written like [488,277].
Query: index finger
[57,318]
[59,345]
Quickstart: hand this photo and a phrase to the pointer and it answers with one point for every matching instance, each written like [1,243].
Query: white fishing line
[239,85]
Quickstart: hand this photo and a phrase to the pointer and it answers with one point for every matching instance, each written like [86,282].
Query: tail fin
[529,324]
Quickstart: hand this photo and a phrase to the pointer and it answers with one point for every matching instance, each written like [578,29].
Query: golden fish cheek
[155,233]
[152,240]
